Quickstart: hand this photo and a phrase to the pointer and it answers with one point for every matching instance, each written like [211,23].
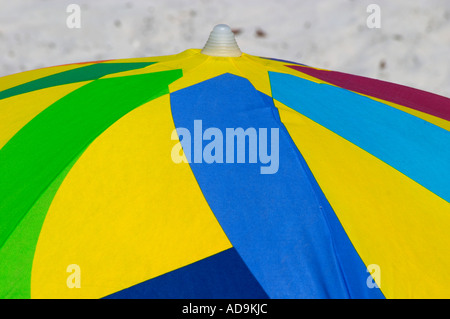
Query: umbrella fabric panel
[392,221]
[281,253]
[35,134]
[17,253]
[13,118]
[222,276]
[431,119]
[125,213]
[62,131]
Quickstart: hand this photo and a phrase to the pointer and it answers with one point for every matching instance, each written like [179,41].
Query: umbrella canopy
[218,174]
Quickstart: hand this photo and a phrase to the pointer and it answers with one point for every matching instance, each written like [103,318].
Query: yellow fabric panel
[12,80]
[198,67]
[201,67]
[186,62]
[18,110]
[391,220]
[125,213]
[204,68]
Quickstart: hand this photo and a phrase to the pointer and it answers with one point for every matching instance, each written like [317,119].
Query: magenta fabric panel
[416,99]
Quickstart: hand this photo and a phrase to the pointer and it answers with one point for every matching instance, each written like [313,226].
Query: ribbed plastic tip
[221,42]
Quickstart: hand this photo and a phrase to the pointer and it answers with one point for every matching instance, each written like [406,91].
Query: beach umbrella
[217,174]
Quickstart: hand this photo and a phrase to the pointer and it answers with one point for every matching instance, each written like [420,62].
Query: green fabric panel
[42,149]
[85,73]
[17,254]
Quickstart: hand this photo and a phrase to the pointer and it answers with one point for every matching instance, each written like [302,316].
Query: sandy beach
[411,47]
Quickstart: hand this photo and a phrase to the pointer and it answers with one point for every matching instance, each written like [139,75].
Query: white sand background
[412,47]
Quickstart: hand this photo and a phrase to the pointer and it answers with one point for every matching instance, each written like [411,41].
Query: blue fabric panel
[221,276]
[413,146]
[281,224]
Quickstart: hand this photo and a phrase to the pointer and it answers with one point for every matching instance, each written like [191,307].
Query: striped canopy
[93,204]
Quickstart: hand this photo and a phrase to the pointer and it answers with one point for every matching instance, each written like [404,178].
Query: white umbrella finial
[221,42]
